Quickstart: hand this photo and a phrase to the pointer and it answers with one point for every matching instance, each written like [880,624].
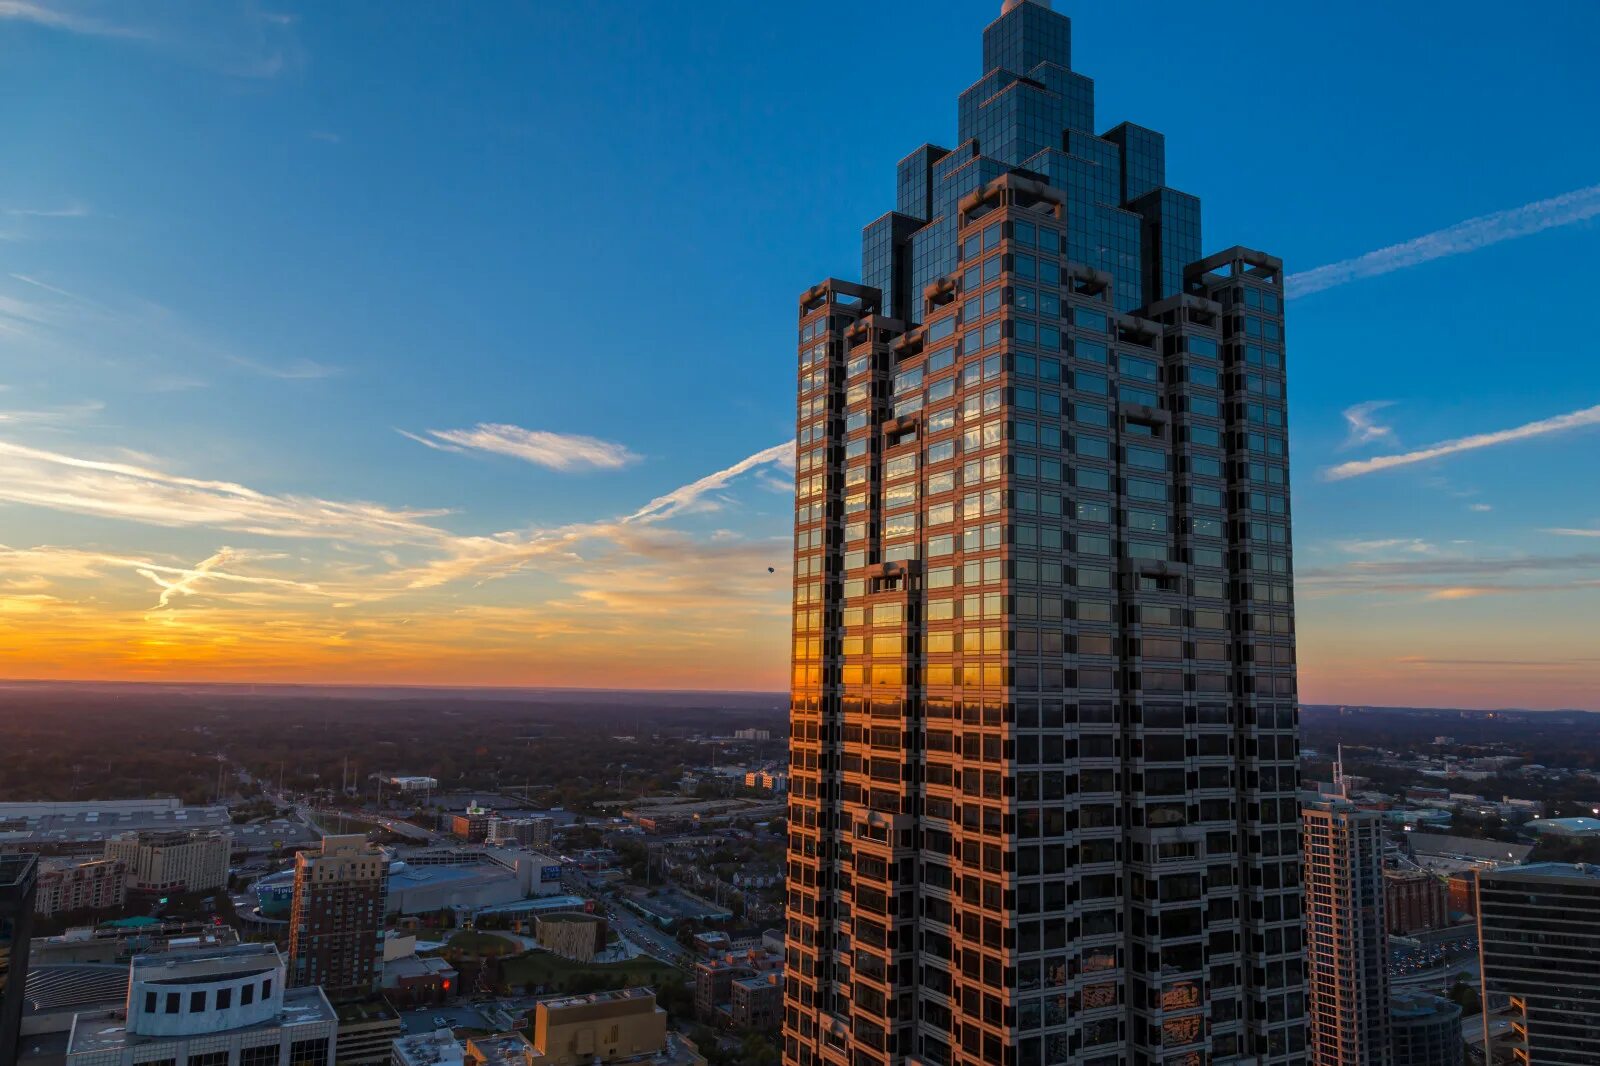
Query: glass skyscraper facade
[1044,722]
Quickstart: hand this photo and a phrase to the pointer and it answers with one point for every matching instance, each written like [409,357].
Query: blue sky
[249,255]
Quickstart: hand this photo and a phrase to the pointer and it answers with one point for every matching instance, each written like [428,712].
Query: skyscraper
[336,922]
[1347,938]
[18,878]
[1043,717]
[1539,943]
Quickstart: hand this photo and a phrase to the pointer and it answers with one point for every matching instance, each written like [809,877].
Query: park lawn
[472,942]
[551,970]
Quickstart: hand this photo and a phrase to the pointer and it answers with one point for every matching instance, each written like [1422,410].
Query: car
[440,1022]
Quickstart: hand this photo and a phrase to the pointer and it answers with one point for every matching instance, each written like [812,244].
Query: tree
[1466,995]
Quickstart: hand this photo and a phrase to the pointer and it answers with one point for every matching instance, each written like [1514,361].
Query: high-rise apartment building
[1044,726]
[1347,939]
[336,921]
[1539,944]
[18,876]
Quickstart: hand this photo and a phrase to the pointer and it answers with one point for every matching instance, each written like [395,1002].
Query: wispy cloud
[49,416]
[557,451]
[232,38]
[72,210]
[141,493]
[1566,532]
[1362,428]
[1468,236]
[294,370]
[1480,508]
[1390,544]
[327,137]
[67,18]
[1589,416]
[693,496]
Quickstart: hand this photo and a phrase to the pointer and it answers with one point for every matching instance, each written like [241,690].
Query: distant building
[1425,1030]
[438,1048]
[336,923]
[1575,828]
[527,832]
[767,780]
[97,885]
[1539,941]
[472,825]
[601,1027]
[484,878]
[223,1007]
[752,734]
[17,880]
[413,784]
[84,827]
[1415,901]
[173,860]
[1346,941]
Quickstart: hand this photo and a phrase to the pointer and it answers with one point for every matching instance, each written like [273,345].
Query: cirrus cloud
[556,451]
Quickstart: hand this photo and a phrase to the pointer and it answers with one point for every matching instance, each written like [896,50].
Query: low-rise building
[757,1001]
[411,783]
[572,934]
[368,1028]
[600,1027]
[524,832]
[438,1048]
[472,825]
[172,860]
[97,885]
[1575,828]
[419,980]
[227,1006]
[714,980]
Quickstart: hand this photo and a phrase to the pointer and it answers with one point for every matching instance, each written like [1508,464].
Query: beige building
[598,1028]
[100,884]
[173,860]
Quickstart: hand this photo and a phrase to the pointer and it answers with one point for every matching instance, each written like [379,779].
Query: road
[648,937]
[1438,979]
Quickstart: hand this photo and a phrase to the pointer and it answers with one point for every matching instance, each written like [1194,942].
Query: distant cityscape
[399,916]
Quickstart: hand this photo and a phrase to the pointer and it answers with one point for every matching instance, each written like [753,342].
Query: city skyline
[371,448]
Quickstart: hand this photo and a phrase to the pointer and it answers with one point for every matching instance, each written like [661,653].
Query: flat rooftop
[34,823]
[1553,871]
[106,1030]
[205,963]
[617,995]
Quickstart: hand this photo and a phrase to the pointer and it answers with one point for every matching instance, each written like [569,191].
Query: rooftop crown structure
[1043,716]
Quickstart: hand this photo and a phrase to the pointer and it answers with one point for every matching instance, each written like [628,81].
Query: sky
[454,344]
